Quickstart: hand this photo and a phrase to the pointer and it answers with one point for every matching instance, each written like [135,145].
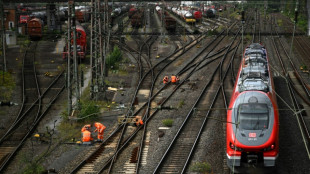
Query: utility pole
[3,35]
[163,24]
[69,87]
[295,22]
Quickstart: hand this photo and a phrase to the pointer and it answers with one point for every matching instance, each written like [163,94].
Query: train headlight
[269,148]
[232,146]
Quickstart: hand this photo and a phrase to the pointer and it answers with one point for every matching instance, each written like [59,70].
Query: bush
[201,167]
[167,122]
[88,110]
[113,58]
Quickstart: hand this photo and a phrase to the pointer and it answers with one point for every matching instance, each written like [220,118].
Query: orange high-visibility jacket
[99,127]
[173,79]
[87,136]
[140,122]
[85,127]
[166,79]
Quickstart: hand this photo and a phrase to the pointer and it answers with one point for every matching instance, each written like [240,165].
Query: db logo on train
[252,135]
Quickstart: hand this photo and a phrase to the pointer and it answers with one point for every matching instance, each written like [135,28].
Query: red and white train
[252,131]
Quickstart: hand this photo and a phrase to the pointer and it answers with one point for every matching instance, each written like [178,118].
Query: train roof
[254,74]
[80,28]
[36,20]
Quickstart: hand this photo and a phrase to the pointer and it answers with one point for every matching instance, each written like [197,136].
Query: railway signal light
[296,17]
[242,16]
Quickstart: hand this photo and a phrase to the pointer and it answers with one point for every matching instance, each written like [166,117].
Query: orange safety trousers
[87,136]
[140,122]
[100,128]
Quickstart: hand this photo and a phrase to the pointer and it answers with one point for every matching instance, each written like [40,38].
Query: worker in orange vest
[100,129]
[86,127]
[86,135]
[166,79]
[174,79]
[138,121]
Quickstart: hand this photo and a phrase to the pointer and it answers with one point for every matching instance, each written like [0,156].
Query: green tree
[113,58]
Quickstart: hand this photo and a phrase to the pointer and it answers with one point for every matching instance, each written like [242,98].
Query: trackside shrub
[88,110]
[114,58]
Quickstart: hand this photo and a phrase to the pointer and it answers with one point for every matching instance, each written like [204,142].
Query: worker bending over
[166,79]
[100,129]
[86,135]
[138,121]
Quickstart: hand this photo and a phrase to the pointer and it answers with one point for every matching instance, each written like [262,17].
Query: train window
[253,116]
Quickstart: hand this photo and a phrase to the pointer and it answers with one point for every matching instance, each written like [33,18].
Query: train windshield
[253,116]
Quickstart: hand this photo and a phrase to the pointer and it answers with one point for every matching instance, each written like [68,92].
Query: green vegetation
[181,103]
[167,122]
[235,15]
[114,58]
[289,10]
[280,22]
[89,110]
[32,165]
[201,167]
[33,168]
[248,37]
[69,131]
[7,85]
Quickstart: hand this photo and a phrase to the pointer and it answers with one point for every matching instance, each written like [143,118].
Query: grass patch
[248,37]
[7,85]
[33,168]
[167,122]
[181,103]
[280,22]
[68,130]
[201,167]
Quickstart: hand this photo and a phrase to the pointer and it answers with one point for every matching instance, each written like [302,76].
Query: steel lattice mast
[98,48]
[95,48]
[3,35]
[72,71]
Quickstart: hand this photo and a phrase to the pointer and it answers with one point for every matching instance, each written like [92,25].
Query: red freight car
[35,28]
[81,43]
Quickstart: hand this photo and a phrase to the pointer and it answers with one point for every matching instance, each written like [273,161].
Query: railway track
[32,110]
[298,89]
[145,117]
[179,152]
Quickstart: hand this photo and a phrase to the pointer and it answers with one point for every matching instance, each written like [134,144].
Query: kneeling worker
[86,136]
